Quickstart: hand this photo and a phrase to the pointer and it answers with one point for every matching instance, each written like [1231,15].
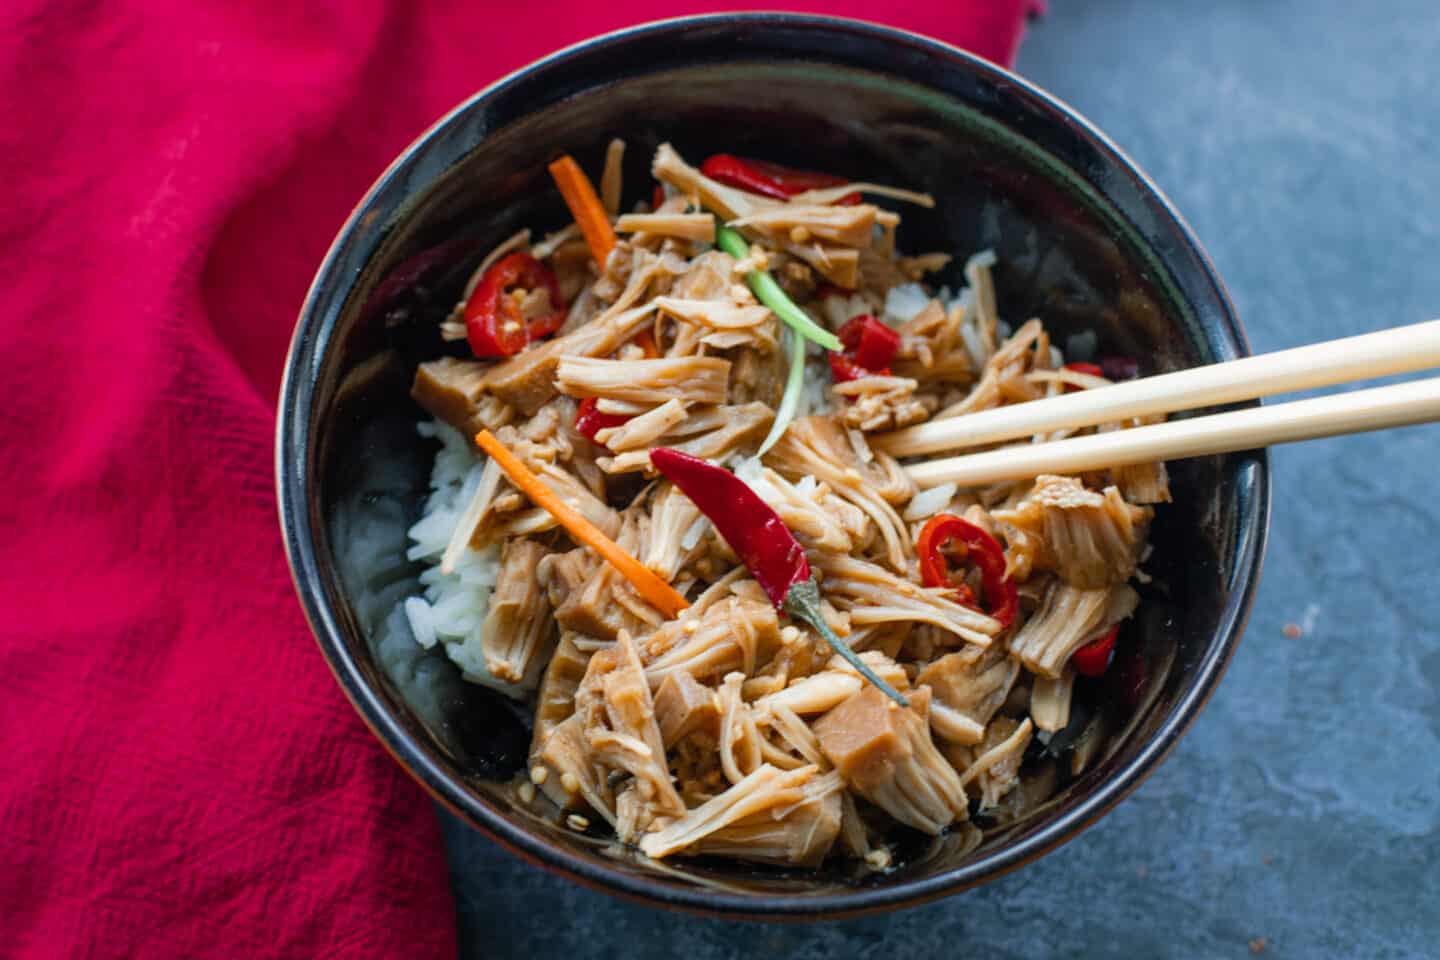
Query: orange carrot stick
[657,592]
[585,207]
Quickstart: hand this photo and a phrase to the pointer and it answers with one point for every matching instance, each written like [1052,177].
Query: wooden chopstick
[1399,405]
[1398,350]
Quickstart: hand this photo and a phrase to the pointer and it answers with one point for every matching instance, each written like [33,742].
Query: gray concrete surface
[1302,140]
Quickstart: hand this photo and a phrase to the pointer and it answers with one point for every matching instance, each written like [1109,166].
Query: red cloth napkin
[180,776]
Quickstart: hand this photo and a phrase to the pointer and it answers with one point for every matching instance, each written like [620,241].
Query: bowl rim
[425,764]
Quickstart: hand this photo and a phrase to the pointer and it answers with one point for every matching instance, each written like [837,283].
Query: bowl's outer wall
[1083,242]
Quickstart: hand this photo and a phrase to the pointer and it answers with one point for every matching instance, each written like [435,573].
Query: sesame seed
[691,626]
[789,635]
[570,782]
[576,822]
[526,792]
[878,859]
[538,774]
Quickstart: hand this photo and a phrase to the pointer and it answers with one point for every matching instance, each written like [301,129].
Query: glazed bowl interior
[1083,241]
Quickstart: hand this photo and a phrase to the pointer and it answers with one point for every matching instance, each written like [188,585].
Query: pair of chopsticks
[1401,350]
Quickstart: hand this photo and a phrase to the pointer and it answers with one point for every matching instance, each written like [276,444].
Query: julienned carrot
[660,594]
[585,207]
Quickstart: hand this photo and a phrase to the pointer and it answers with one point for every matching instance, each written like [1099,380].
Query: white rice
[751,471]
[815,389]
[839,310]
[452,609]
[903,302]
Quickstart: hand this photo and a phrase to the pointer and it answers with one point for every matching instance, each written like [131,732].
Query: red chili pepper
[872,342]
[843,369]
[759,538]
[1089,369]
[1093,659]
[657,197]
[493,322]
[590,419]
[771,179]
[979,549]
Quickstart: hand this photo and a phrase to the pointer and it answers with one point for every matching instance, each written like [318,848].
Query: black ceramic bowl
[1085,241]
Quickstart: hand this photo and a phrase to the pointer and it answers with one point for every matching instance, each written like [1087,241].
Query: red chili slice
[1089,369]
[493,323]
[1093,659]
[771,179]
[872,342]
[657,197]
[976,547]
[843,369]
[590,419]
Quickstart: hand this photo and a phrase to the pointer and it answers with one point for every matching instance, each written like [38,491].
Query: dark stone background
[1302,141]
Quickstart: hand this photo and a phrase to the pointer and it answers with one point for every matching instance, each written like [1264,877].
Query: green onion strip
[802,328]
[790,400]
[769,293]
